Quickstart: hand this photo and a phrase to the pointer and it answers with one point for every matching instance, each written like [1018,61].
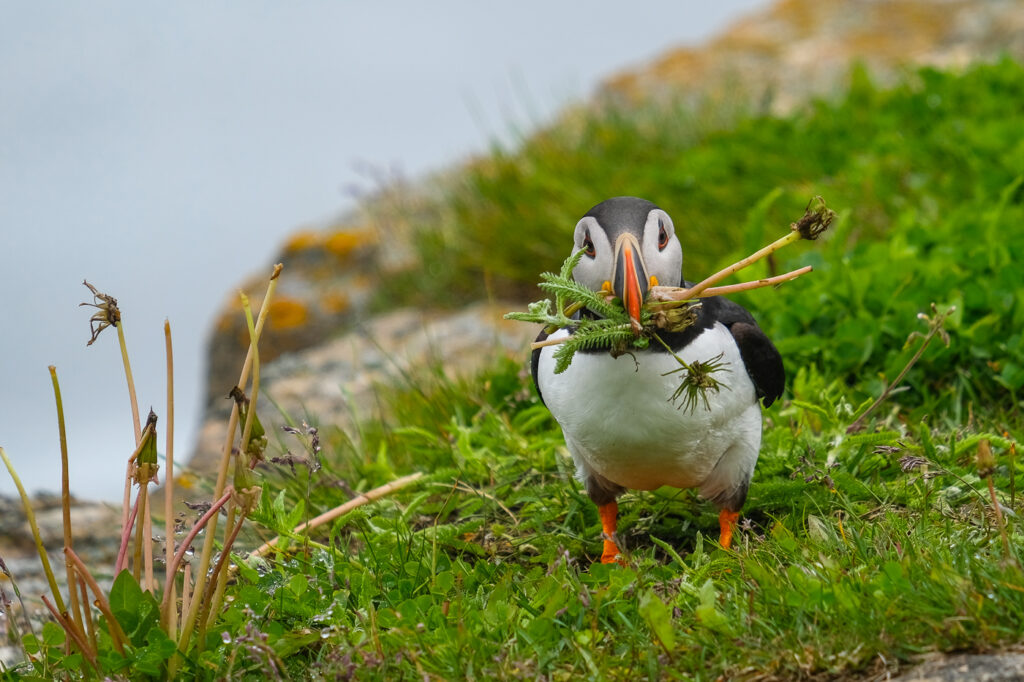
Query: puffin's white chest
[619,422]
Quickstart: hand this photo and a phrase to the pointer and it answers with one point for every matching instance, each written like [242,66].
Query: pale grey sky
[165,150]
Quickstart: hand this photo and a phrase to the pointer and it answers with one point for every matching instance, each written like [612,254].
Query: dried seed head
[108,314]
[986,461]
[910,463]
[676,319]
[816,219]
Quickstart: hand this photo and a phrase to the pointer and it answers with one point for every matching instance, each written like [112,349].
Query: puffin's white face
[629,245]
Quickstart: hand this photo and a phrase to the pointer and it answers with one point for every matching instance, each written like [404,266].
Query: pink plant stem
[126,534]
[180,554]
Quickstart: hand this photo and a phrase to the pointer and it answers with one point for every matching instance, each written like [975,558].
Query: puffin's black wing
[761,358]
[535,363]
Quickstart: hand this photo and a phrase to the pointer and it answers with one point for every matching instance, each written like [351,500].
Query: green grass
[857,554]
[486,570]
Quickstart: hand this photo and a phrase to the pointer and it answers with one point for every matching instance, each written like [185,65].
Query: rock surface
[96,537]
[331,382]
[795,49]
[1007,667]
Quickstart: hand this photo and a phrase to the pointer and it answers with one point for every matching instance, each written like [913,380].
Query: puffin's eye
[662,235]
[588,245]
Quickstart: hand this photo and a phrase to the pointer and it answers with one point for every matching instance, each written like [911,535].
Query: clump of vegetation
[862,548]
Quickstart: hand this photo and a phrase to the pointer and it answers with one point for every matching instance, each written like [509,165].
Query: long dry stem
[678,294]
[215,590]
[340,510]
[696,289]
[935,327]
[126,532]
[65,501]
[169,617]
[117,635]
[31,516]
[172,568]
[130,380]
[214,593]
[76,635]
[90,626]
[189,620]
[143,501]
[250,414]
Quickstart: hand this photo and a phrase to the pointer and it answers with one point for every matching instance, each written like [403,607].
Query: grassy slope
[854,558]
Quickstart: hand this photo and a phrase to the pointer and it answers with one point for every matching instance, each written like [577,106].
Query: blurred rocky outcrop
[334,381]
[97,527]
[795,49]
[321,352]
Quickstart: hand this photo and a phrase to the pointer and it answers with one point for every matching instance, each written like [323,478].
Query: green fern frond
[570,264]
[596,334]
[574,292]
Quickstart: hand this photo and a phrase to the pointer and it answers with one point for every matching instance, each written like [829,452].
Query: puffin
[617,415]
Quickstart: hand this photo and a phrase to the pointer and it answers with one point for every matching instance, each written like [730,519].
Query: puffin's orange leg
[726,522]
[609,515]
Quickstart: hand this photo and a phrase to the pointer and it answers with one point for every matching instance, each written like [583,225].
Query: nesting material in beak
[629,277]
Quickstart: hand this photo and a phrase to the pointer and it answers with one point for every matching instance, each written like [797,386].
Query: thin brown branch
[696,289]
[340,510]
[679,294]
[934,327]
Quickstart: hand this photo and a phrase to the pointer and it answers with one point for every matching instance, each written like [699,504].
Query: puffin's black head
[630,245]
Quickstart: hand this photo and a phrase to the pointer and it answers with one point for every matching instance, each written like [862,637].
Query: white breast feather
[618,421]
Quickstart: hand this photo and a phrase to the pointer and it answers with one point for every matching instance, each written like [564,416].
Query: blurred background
[164,153]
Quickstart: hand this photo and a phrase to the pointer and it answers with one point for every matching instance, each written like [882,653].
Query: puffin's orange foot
[609,516]
[611,554]
[726,522]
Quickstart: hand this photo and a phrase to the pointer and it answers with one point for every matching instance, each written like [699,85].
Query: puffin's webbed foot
[727,522]
[609,516]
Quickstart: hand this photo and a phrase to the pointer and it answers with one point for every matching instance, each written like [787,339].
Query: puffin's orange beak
[629,278]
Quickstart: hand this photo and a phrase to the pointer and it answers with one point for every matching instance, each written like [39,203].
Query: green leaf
[708,612]
[126,600]
[135,610]
[659,619]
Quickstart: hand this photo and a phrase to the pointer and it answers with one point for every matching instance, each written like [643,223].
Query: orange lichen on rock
[344,242]
[288,313]
[336,302]
[302,240]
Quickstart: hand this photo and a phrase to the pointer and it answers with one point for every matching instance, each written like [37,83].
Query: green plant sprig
[614,330]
